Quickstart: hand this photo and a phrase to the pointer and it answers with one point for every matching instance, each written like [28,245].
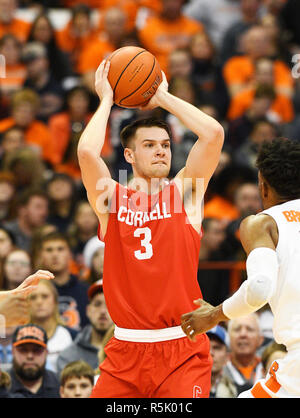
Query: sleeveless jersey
[285,301]
[150,259]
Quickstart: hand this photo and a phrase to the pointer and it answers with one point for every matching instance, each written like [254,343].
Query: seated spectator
[6,355]
[93,258]
[272,352]
[7,195]
[43,305]
[5,382]
[89,340]
[17,266]
[27,168]
[238,71]
[24,107]
[29,376]
[38,234]
[7,244]
[129,7]
[9,23]
[216,16]
[15,71]
[214,283]
[76,380]
[55,256]
[32,212]
[167,31]
[244,366]
[61,191]
[231,44]
[207,73]
[221,386]
[41,80]
[11,140]
[84,226]
[180,63]
[246,154]
[281,109]
[43,31]
[107,41]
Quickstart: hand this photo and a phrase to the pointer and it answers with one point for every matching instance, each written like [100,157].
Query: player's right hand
[102,86]
[31,283]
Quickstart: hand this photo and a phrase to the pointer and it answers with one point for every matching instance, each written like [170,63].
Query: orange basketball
[134,76]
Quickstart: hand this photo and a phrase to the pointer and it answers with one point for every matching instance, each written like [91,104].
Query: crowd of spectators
[237,60]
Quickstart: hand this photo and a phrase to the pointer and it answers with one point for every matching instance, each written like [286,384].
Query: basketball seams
[132,59]
[124,98]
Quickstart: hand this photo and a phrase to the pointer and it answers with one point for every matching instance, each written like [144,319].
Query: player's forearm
[203,125]
[93,137]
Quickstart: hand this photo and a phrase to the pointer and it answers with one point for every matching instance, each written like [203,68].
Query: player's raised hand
[102,86]
[155,100]
[31,283]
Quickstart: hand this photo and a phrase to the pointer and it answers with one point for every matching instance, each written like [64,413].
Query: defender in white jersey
[271,240]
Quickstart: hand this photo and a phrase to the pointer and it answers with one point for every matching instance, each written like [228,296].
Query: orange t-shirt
[14,78]
[161,37]
[17,27]
[241,102]
[220,208]
[240,70]
[37,133]
[92,55]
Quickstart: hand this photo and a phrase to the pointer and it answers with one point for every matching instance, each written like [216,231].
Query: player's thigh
[190,380]
[108,386]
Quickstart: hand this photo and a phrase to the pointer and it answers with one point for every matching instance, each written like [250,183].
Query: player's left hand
[199,321]
[155,99]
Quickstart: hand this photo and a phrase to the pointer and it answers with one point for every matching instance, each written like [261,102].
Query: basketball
[134,76]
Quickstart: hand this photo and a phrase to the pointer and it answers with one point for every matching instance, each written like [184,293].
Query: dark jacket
[48,389]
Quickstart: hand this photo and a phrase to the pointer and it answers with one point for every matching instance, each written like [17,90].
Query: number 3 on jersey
[145,235]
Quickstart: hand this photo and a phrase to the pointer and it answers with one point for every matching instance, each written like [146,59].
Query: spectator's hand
[102,86]
[201,320]
[155,100]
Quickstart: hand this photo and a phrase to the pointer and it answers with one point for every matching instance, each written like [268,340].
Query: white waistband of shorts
[148,335]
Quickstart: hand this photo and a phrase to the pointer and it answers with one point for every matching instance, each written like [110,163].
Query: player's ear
[128,155]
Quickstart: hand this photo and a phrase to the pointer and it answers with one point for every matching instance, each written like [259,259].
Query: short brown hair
[78,369]
[25,95]
[128,133]
[55,236]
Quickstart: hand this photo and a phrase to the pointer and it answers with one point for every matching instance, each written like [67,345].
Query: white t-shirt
[60,340]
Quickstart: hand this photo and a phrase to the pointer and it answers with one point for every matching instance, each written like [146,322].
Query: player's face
[76,387]
[152,154]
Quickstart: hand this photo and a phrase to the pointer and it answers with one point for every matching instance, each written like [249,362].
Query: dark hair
[279,163]
[55,236]
[129,131]
[25,197]
[81,9]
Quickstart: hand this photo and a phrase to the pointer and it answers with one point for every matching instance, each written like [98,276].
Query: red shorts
[176,368]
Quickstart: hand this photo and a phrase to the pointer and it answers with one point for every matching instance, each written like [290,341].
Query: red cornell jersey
[150,259]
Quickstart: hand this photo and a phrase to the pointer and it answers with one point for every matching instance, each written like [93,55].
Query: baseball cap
[95,287]
[33,50]
[220,333]
[30,333]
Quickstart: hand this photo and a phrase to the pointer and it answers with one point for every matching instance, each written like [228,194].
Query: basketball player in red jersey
[152,242]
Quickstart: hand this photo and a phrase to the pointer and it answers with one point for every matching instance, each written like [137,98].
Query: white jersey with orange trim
[285,301]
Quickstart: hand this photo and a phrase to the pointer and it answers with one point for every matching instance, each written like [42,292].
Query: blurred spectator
[7,244]
[246,154]
[84,226]
[272,352]
[43,31]
[244,367]
[207,73]
[93,258]
[32,212]
[221,386]
[214,284]
[55,255]
[238,71]
[180,63]
[17,266]
[29,376]
[9,23]
[167,31]
[7,195]
[24,107]
[216,16]
[76,380]
[289,18]
[15,71]
[232,37]
[89,340]
[43,305]
[26,166]
[62,195]
[108,40]
[281,109]
[5,382]
[36,242]
[129,7]
[278,40]
[11,140]
[6,355]
[41,80]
